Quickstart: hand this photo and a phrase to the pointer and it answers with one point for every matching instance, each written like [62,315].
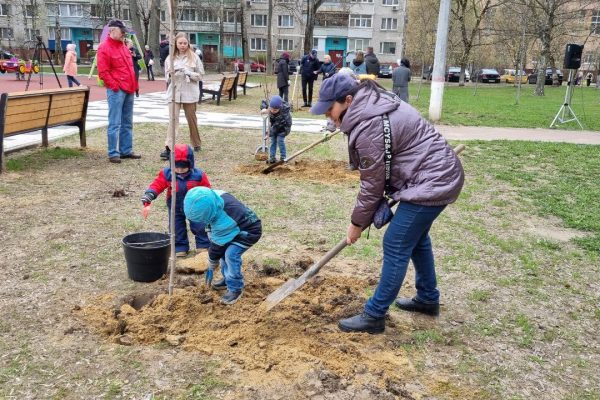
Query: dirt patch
[329,171]
[553,229]
[295,341]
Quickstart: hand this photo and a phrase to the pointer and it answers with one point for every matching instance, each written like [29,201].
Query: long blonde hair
[189,53]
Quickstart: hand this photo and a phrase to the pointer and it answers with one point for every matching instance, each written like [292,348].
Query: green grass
[560,179]
[40,159]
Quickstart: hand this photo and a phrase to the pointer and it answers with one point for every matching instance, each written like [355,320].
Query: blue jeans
[72,80]
[120,123]
[231,267]
[277,140]
[181,235]
[407,238]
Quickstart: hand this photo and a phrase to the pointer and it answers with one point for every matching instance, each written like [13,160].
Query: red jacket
[115,67]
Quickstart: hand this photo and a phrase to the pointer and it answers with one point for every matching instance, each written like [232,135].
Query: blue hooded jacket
[227,220]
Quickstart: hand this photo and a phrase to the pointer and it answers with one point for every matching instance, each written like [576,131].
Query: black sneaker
[271,161]
[413,305]
[166,154]
[231,297]
[219,285]
[362,323]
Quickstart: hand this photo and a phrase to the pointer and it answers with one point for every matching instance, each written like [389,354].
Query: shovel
[261,151]
[293,284]
[290,158]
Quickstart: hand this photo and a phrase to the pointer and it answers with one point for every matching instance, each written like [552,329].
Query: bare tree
[269,61]
[420,31]
[311,11]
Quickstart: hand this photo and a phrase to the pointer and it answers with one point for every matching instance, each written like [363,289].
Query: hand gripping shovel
[296,154]
[293,284]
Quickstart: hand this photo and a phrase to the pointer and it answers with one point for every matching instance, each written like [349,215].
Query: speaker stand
[565,113]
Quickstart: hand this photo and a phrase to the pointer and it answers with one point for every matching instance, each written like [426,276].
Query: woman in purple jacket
[425,176]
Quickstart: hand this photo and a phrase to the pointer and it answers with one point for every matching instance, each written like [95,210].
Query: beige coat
[185,80]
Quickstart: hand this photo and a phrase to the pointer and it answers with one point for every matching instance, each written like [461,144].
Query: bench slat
[25,117]
[30,124]
[14,106]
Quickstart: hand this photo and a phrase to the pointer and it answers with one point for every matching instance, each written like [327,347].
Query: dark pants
[150,72]
[307,83]
[181,235]
[283,92]
[406,238]
[72,80]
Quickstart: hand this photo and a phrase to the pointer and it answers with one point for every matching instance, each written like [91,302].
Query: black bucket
[147,255]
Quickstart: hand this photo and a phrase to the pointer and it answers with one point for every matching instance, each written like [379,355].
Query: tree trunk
[57,42]
[221,67]
[310,26]
[136,24]
[153,38]
[244,33]
[269,61]
[541,76]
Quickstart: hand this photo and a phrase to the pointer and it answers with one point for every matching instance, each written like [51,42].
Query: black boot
[165,155]
[362,323]
[413,305]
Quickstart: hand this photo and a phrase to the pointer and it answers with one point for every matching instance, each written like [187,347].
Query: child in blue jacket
[188,177]
[232,229]
[281,125]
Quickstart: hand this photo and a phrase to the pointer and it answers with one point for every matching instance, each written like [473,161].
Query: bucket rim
[124,243]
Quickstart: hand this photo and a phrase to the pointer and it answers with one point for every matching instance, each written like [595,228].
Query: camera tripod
[37,57]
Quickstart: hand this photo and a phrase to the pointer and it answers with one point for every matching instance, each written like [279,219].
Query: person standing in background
[70,67]
[400,78]
[135,57]
[310,71]
[283,75]
[372,62]
[149,61]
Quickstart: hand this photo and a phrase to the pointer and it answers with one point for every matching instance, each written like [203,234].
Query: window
[260,1]
[65,34]
[360,21]
[285,44]
[286,1]
[258,44]
[362,1]
[285,21]
[29,11]
[97,34]
[126,15]
[390,2]
[230,17]
[163,15]
[231,41]
[358,44]
[186,14]
[387,48]
[596,22]
[4,10]
[65,10]
[6,33]
[315,43]
[587,58]
[258,20]
[207,16]
[30,34]
[389,24]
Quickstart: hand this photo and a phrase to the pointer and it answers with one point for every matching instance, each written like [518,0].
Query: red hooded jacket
[115,66]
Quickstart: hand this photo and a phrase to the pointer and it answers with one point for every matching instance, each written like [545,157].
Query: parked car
[532,78]
[294,66]
[487,75]
[254,66]
[385,71]
[453,75]
[510,76]
[427,71]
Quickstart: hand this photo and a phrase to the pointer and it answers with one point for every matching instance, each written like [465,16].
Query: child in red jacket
[188,177]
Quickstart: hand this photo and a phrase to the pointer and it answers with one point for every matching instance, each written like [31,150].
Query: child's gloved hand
[264,112]
[208,275]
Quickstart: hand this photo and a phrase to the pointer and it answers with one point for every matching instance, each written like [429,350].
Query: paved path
[152,107]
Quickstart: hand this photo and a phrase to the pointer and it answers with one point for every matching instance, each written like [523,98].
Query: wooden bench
[22,112]
[226,88]
[240,80]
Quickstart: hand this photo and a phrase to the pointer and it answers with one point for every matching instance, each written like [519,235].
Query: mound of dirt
[294,341]
[330,171]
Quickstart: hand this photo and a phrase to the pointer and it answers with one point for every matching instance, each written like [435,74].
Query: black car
[453,75]
[488,75]
[386,70]
[293,66]
[532,78]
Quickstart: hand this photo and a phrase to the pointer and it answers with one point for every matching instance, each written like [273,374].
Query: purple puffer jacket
[425,169]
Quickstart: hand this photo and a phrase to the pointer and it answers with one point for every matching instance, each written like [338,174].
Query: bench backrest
[37,109]
[227,84]
[242,77]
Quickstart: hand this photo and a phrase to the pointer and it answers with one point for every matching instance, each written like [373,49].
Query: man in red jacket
[115,68]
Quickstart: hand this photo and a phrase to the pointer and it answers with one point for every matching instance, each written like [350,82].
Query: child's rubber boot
[231,297]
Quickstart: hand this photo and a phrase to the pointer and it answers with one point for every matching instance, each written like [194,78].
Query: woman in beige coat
[183,80]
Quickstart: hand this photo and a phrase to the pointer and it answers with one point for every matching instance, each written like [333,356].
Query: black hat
[118,24]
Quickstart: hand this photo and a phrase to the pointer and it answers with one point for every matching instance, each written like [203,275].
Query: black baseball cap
[118,24]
